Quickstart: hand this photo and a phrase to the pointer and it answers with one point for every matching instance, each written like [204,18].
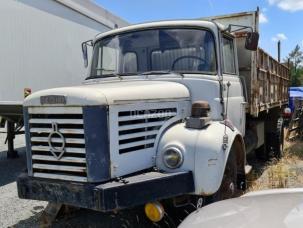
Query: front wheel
[228,188]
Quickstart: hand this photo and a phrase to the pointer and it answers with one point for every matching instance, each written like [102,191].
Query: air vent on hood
[138,129]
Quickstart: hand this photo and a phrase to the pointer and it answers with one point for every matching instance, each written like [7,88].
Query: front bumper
[129,192]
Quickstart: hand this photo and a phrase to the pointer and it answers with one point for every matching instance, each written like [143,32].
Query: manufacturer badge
[56,137]
[53,99]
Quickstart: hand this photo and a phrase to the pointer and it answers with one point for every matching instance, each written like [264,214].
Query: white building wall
[41,44]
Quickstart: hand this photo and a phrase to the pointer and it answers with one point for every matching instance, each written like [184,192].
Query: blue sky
[281,19]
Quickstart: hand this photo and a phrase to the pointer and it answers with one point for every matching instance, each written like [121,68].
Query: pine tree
[295,58]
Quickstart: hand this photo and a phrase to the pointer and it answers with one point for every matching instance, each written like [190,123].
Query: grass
[284,173]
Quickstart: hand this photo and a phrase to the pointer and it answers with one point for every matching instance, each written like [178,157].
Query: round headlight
[173,158]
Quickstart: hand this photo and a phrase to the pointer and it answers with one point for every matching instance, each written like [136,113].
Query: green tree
[295,58]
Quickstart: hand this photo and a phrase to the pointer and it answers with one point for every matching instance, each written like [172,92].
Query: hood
[279,209]
[111,93]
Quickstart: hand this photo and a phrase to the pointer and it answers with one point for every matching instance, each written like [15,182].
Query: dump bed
[266,79]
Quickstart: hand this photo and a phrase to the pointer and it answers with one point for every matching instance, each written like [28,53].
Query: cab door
[234,101]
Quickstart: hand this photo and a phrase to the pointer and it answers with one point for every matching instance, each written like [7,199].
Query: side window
[229,66]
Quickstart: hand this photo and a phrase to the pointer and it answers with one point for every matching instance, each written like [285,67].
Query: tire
[280,138]
[276,141]
[261,152]
[228,188]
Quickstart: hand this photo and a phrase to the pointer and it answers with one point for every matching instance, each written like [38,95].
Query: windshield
[180,50]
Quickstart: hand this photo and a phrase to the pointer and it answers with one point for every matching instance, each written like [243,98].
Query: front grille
[69,122]
[138,129]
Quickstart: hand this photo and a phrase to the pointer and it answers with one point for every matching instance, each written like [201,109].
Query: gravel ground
[15,212]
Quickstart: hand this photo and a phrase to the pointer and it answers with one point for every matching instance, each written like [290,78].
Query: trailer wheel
[228,188]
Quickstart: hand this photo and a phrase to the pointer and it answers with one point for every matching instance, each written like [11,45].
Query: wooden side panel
[269,87]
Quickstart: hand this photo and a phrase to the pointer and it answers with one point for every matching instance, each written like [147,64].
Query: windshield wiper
[110,74]
[119,75]
[103,76]
[157,72]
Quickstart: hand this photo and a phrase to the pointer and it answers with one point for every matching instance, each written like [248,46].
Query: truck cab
[160,115]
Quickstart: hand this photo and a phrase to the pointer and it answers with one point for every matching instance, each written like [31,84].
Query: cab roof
[174,23]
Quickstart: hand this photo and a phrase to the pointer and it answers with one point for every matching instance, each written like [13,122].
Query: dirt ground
[15,212]
[284,173]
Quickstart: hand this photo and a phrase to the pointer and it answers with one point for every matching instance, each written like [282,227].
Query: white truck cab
[162,114]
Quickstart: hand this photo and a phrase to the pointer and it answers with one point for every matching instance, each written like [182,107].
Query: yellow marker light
[154,211]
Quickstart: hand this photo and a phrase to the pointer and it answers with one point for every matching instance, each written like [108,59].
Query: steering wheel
[187,57]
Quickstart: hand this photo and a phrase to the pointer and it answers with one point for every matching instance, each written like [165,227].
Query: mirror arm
[88,43]
[240,27]
[84,51]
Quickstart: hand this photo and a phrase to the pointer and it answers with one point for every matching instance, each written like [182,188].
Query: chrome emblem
[53,99]
[53,138]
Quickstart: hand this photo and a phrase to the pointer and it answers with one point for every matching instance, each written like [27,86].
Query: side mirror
[252,41]
[84,51]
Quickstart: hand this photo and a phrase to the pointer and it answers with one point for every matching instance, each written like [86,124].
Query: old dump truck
[168,111]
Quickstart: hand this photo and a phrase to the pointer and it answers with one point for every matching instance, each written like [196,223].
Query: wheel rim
[228,186]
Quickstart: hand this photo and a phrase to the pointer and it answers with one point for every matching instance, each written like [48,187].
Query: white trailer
[41,47]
